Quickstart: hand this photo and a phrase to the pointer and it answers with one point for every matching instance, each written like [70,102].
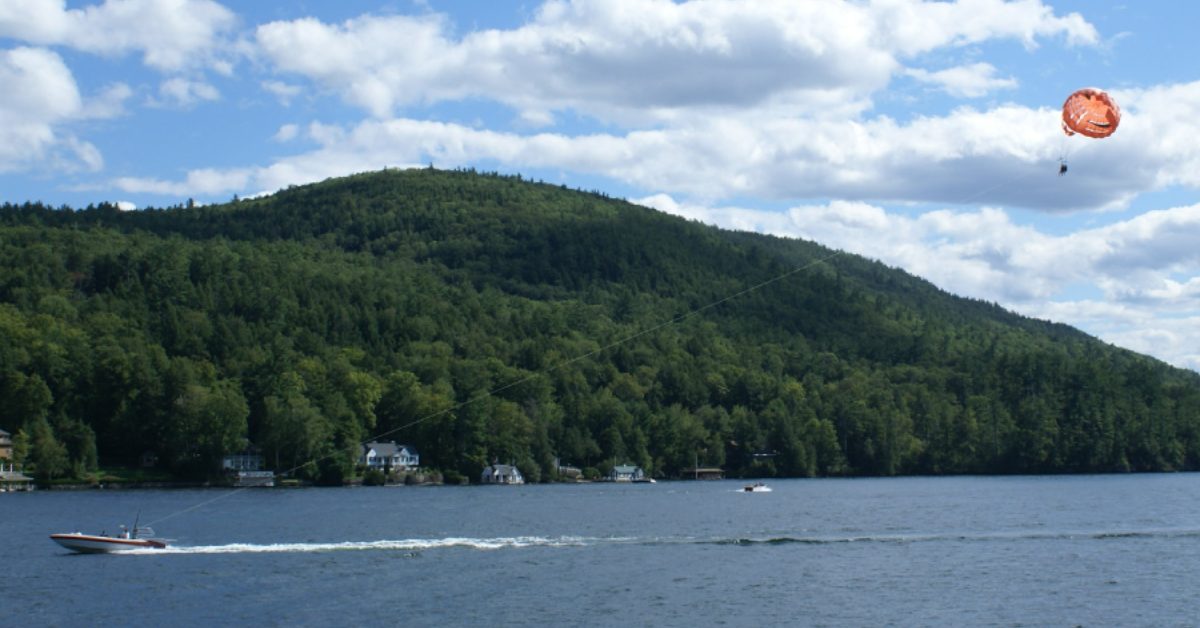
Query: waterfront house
[246,468]
[248,460]
[626,473]
[389,456]
[6,446]
[501,474]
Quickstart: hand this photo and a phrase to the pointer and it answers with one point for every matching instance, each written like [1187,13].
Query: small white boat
[104,544]
[757,487]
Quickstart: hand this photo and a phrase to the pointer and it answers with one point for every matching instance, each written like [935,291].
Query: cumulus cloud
[967,81]
[169,34]
[185,93]
[911,27]
[109,103]
[374,62]
[630,61]
[206,181]
[39,95]
[1163,125]
[283,91]
[286,133]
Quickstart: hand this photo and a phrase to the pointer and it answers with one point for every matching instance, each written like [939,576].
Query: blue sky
[922,134]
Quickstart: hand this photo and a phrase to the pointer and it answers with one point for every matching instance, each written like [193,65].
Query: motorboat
[757,487]
[137,538]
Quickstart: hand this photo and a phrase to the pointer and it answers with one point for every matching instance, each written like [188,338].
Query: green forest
[480,317]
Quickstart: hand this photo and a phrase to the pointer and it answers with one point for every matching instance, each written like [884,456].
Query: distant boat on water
[757,487]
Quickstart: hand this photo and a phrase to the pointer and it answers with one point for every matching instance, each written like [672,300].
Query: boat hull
[89,544]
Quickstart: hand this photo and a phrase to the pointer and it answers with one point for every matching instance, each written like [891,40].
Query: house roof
[14,477]
[502,469]
[389,449]
[245,454]
[626,468]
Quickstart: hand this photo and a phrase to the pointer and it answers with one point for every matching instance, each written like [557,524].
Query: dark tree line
[482,317]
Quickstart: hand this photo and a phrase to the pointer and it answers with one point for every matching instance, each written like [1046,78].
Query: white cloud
[185,93]
[283,91]
[638,60]
[372,61]
[535,118]
[205,181]
[911,27]
[286,133]
[79,155]
[967,81]
[38,21]
[109,103]
[170,34]
[39,95]
[1164,122]
[37,83]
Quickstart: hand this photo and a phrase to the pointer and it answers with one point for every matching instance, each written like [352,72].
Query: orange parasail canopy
[1090,112]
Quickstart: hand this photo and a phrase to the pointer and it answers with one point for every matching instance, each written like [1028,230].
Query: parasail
[1090,112]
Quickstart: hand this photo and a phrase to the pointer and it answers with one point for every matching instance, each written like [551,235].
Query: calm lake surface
[961,551]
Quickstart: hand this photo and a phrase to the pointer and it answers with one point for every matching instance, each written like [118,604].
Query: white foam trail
[412,545]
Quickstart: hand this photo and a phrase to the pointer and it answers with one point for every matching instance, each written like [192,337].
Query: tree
[293,431]
[210,423]
[49,456]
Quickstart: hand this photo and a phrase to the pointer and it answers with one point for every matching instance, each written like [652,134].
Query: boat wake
[901,539]
[407,545]
[416,546]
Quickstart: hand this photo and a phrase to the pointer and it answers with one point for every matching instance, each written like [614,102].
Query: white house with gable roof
[501,474]
[385,456]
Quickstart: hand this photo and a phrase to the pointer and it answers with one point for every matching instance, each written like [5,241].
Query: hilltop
[480,317]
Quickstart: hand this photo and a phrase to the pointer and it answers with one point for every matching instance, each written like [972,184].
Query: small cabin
[626,473]
[246,468]
[501,474]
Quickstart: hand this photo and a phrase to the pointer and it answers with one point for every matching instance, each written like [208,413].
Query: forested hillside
[481,317]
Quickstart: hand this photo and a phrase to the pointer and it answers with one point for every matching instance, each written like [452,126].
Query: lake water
[1008,551]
